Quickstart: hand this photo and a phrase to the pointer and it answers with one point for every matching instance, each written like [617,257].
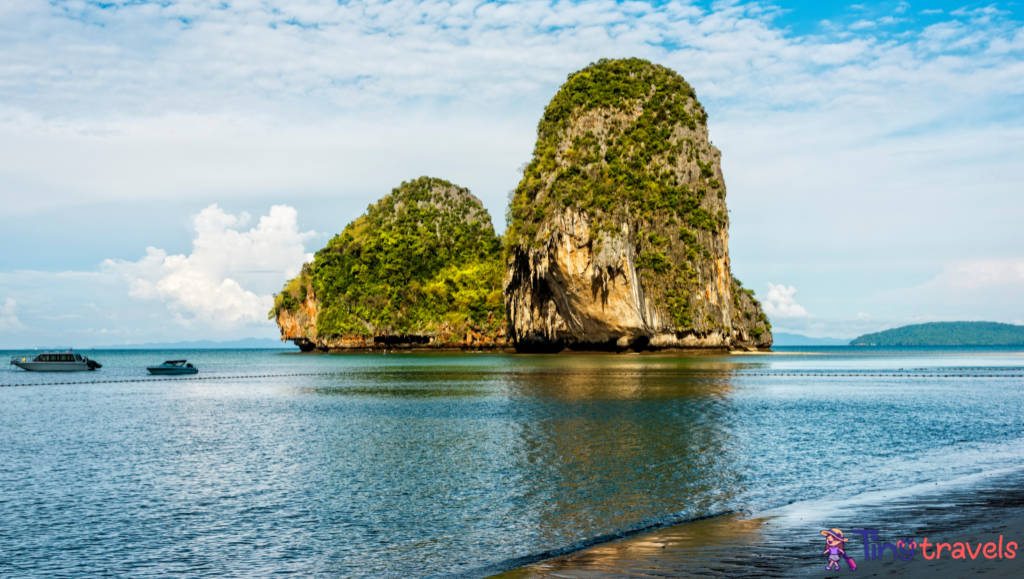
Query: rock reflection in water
[552,449]
[613,445]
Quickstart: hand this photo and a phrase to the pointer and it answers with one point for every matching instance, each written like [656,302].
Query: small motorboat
[173,367]
[56,362]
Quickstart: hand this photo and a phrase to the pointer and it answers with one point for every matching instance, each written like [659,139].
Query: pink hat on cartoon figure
[835,534]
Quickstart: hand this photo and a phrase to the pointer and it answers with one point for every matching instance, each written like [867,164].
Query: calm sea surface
[427,465]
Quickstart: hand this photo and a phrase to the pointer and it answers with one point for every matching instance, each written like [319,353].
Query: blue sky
[165,166]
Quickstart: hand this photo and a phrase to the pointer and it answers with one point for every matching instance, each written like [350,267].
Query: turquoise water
[431,465]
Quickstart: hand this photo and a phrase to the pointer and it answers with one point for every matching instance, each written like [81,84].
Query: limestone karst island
[617,239]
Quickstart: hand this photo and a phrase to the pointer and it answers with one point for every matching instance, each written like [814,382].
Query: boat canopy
[174,363]
[58,358]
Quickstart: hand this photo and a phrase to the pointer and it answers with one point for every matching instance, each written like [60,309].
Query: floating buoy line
[182,379]
[1015,372]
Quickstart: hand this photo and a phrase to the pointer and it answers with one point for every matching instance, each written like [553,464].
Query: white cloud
[887,20]
[9,321]
[984,284]
[982,273]
[984,12]
[205,283]
[1004,46]
[780,303]
[862,24]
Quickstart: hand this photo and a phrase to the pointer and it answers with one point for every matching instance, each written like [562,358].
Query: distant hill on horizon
[947,334]
[785,339]
[244,344]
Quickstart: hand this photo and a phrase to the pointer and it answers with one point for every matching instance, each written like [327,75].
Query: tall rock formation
[618,232]
[421,268]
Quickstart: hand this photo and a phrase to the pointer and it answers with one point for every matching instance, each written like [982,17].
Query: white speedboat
[173,367]
[56,362]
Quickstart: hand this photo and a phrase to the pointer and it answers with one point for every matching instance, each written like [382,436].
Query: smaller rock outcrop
[422,268]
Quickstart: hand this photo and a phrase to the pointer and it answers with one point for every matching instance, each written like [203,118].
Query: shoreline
[786,541]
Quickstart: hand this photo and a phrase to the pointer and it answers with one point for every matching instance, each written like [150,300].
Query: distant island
[947,334]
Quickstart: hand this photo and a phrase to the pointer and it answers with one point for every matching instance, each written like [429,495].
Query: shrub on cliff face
[293,294]
[422,260]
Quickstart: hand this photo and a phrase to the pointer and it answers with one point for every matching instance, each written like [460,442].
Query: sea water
[417,465]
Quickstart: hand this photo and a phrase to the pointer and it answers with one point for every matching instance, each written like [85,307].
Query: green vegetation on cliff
[947,334]
[625,166]
[424,260]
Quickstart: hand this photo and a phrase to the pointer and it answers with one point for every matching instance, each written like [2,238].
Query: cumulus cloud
[208,283]
[9,321]
[780,303]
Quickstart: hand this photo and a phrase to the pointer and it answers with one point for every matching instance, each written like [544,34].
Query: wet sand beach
[786,542]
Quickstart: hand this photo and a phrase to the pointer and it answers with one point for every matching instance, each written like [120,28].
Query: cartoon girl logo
[835,550]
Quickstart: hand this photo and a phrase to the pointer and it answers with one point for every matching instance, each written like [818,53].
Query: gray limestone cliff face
[619,230]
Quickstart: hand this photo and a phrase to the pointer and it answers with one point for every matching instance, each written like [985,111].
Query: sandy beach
[786,542]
